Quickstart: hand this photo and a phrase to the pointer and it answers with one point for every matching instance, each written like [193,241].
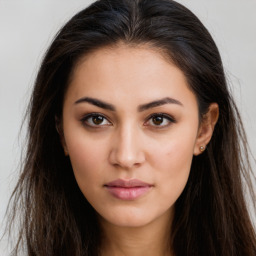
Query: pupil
[158,120]
[97,119]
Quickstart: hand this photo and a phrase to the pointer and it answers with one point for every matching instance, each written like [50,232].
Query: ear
[59,128]
[206,128]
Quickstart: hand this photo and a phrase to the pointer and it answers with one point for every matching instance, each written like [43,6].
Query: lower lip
[130,193]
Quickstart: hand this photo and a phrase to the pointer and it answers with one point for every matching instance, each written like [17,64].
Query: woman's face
[130,126]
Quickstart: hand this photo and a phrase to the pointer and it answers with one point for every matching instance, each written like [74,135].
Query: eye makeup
[159,120]
[95,120]
[155,120]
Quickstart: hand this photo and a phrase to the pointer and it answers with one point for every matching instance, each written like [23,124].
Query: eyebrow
[158,103]
[97,103]
[153,104]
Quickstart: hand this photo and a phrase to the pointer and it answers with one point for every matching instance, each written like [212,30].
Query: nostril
[126,160]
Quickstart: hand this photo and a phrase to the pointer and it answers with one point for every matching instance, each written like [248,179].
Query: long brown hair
[211,216]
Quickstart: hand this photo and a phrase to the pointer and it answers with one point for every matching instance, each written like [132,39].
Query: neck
[152,239]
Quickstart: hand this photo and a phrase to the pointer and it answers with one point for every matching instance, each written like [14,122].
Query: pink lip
[127,189]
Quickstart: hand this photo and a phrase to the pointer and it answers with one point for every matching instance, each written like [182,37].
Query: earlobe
[206,128]
[59,129]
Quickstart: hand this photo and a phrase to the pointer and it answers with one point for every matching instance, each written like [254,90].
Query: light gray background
[27,28]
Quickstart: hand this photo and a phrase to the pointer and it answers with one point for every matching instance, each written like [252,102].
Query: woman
[134,140]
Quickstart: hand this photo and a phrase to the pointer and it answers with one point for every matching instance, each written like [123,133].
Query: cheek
[172,163]
[175,152]
[87,161]
[176,162]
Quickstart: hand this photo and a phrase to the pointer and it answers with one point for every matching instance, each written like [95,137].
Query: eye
[160,120]
[95,120]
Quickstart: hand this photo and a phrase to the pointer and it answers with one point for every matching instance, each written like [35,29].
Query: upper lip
[127,183]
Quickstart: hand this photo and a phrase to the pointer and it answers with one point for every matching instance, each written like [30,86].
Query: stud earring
[202,148]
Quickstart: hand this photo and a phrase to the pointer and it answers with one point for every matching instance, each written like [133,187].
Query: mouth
[128,189]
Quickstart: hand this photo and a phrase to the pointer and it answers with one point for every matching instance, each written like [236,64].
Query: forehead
[121,55]
[127,72]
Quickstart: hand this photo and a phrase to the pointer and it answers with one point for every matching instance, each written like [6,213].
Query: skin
[128,143]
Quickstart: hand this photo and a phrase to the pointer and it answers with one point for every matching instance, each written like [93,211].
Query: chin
[133,217]
[127,222]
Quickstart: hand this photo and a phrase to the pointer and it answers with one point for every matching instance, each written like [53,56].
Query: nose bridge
[127,147]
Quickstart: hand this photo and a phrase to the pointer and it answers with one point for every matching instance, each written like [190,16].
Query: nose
[127,148]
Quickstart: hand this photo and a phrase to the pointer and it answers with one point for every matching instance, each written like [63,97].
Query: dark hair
[211,217]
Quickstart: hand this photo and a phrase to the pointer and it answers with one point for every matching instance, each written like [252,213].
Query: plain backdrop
[27,28]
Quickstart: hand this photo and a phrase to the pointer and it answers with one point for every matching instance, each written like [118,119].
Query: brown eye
[160,120]
[157,120]
[95,120]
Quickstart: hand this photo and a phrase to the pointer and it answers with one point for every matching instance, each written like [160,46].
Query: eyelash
[164,117]
[85,121]
[167,118]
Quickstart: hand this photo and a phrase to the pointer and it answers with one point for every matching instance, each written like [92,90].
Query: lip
[128,189]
